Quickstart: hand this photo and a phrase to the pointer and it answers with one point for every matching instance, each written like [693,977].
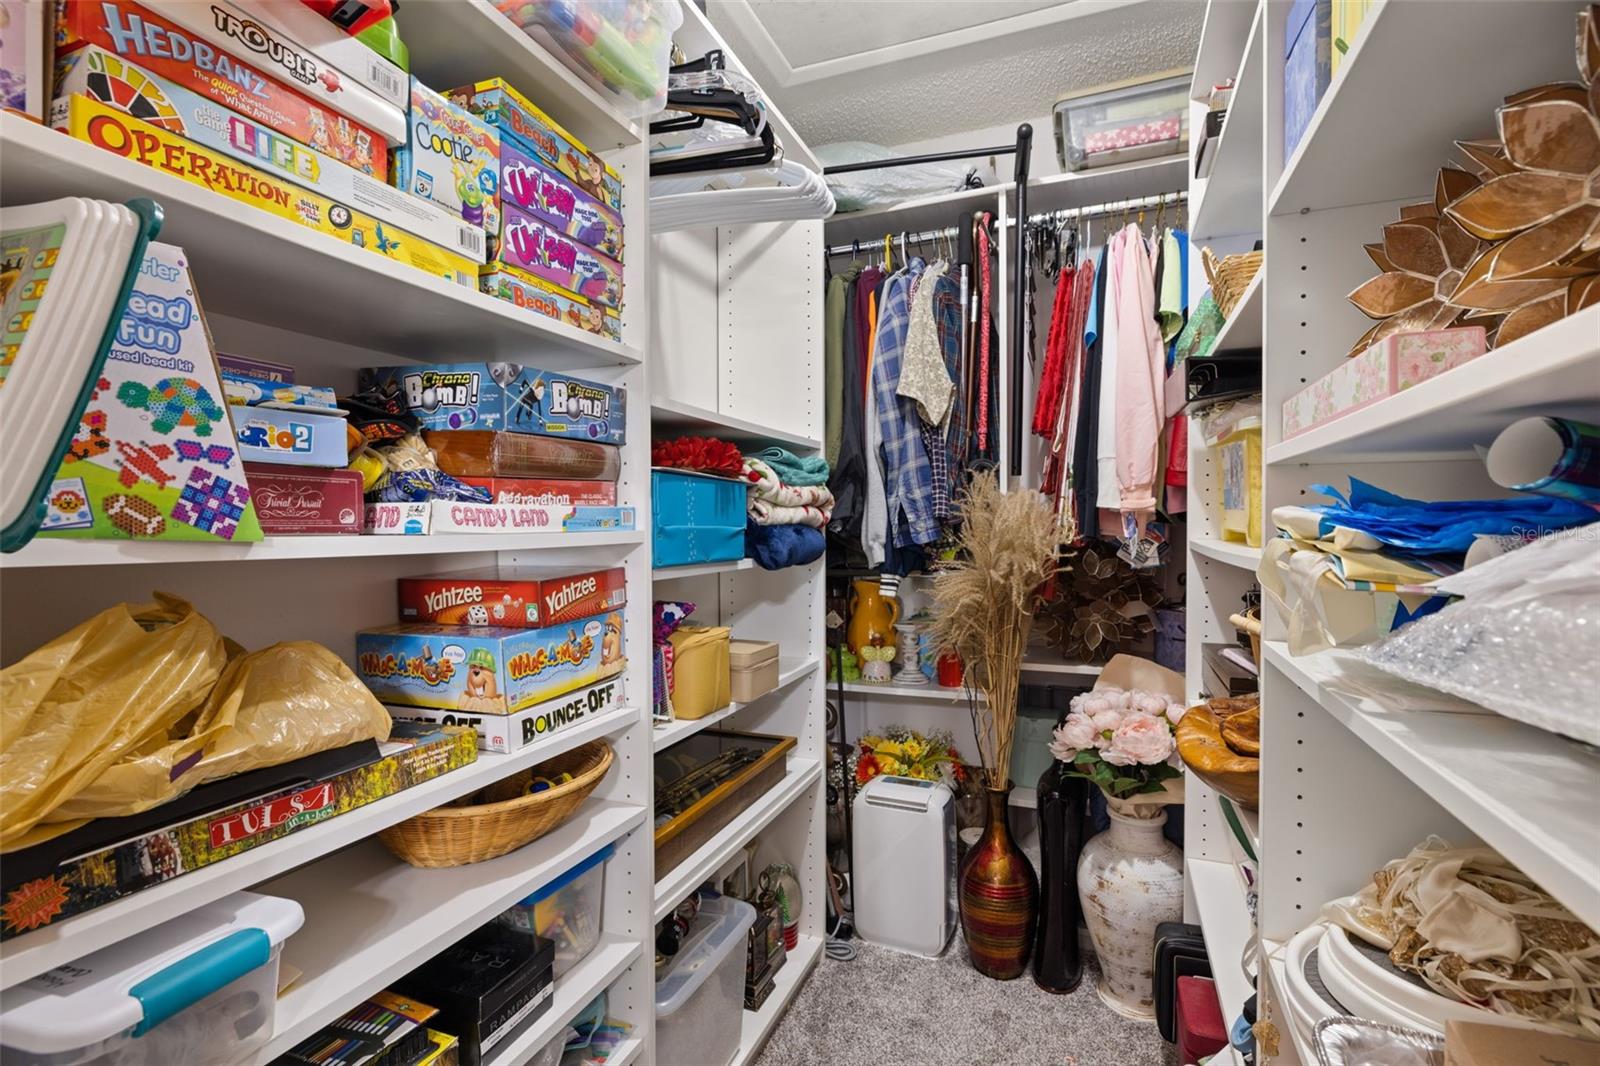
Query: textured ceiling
[810,31]
[1003,79]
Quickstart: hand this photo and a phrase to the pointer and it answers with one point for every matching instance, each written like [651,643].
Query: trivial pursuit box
[488,669]
[155,456]
[106,127]
[167,49]
[118,83]
[509,111]
[505,396]
[451,157]
[536,294]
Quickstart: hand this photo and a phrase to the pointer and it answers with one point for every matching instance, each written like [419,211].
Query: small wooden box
[693,825]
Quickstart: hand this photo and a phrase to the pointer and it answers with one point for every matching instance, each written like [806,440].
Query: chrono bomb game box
[518,597]
[506,733]
[505,396]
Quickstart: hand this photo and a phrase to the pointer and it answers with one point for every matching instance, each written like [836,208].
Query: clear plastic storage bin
[1127,120]
[700,994]
[618,45]
[566,911]
[199,988]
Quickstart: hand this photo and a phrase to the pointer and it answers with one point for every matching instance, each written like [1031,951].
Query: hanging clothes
[906,476]
[984,293]
[1085,464]
[833,374]
[1140,382]
[1112,319]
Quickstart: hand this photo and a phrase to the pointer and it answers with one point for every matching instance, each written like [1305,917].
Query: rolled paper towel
[1550,457]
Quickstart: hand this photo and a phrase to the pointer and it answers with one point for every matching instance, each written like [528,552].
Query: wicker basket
[501,817]
[1230,276]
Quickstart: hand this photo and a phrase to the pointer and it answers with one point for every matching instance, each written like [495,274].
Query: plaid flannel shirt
[939,440]
[907,475]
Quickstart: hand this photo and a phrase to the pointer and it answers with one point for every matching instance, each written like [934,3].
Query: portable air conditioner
[903,864]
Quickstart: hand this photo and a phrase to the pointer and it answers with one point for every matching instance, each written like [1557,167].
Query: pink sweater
[1141,377]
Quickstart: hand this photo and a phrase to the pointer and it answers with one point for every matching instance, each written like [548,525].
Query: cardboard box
[293,500]
[103,77]
[410,519]
[232,28]
[157,44]
[552,301]
[489,669]
[108,128]
[1392,365]
[507,733]
[245,391]
[536,248]
[351,59]
[452,516]
[547,492]
[1488,1044]
[753,668]
[155,454]
[452,158]
[538,189]
[257,369]
[413,754]
[292,437]
[515,596]
[509,111]
[505,396]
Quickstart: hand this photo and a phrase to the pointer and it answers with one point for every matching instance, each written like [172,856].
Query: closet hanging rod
[917,160]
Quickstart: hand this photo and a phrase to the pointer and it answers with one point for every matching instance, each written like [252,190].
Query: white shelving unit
[1357,767]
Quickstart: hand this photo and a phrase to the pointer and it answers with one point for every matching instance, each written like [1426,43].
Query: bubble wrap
[1524,641]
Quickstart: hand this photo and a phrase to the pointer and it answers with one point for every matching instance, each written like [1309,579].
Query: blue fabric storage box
[1307,66]
[695,518]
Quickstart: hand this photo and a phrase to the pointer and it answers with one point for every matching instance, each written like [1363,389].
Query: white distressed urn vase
[1130,879]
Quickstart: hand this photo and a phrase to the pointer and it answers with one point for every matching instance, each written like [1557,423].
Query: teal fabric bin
[695,518]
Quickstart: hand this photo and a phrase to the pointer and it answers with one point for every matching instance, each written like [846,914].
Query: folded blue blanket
[775,547]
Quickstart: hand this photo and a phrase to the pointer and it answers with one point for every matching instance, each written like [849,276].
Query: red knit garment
[983,328]
[1046,401]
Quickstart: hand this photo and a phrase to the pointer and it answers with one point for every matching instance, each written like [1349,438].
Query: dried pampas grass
[985,600]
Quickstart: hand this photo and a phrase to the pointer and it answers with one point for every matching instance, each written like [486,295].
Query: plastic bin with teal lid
[181,992]
[567,910]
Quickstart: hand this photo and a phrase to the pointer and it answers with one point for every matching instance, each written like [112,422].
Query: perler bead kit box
[505,396]
[519,597]
[155,456]
[515,117]
[488,670]
[533,246]
[451,157]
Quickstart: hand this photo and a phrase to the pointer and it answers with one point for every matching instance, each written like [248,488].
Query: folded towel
[775,547]
[764,513]
[793,470]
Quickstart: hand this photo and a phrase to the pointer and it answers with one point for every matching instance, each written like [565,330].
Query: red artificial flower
[706,455]
[866,767]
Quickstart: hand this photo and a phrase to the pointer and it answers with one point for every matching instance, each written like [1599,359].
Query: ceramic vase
[1130,879]
[1063,802]
[872,615]
[999,896]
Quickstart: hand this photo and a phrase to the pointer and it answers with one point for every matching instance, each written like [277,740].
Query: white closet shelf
[934,211]
[1275,971]
[1052,666]
[756,816]
[676,416]
[1229,203]
[1226,551]
[1098,185]
[1218,57]
[50,551]
[1550,372]
[1219,897]
[468,40]
[758,1024]
[930,692]
[1511,784]
[667,573]
[371,918]
[1243,327]
[1449,66]
[790,671]
[34,953]
[592,975]
[1249,824]
[256,266]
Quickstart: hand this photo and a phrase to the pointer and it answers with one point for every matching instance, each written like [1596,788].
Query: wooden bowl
[1203,750]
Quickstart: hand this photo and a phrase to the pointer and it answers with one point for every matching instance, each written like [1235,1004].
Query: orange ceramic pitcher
[872,615]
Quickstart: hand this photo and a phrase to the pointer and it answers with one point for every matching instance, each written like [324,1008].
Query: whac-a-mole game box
[505,396]
[487,669]
[155,456]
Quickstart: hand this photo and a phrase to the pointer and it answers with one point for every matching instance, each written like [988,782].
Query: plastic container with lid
[1127,120]
[700,992]
[199,988]
[567,910]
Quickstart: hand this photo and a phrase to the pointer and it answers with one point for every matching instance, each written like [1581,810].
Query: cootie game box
[488,669]
[505,396]
[39,889]
[506,733]
[519,597]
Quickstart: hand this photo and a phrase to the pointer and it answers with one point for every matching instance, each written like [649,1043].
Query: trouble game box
[505,396]
[506,733]
[489,669]
[519,597]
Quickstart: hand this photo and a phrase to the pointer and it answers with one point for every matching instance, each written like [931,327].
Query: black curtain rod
[916,160]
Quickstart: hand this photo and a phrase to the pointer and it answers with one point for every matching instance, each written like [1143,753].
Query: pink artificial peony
[1074,735]
[1106,722]
[1142,740]
[1175,712]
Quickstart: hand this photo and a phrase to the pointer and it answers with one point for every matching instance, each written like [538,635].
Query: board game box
[514,116]
[452,158]
[452,516]
[536,248]
[553,198]
[160,45]
[536,294]
[507,733]
[547,492]
[488,669]
[415,752]
[294,500]
[505,396]
[520,597]
[155,456]
[106,127]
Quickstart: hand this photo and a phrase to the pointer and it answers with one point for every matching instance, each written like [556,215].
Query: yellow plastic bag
[118,682]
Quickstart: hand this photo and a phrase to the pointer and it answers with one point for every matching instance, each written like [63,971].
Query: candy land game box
[489,669]
[155,456]
[505,396]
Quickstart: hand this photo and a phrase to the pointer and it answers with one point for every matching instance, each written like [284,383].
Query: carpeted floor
[888,1009]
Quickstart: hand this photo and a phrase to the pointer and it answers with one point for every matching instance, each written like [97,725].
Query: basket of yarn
[503,816]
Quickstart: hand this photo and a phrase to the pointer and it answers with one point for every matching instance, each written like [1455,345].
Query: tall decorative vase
[1130,879]
[999,896]
[872,616]
[1063,803]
